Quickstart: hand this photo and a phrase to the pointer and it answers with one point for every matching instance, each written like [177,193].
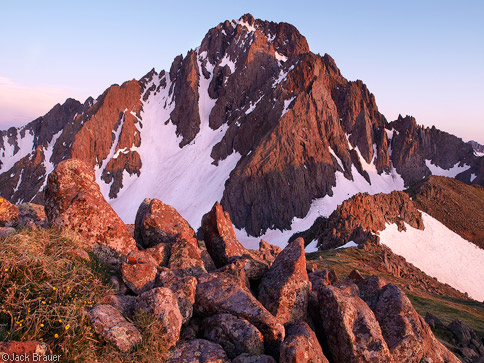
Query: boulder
[29,351]
[73,202]
[370,289]
[139,272]
[184,289]
[284,289]
[235,335]
[157,222]
[253,266]
[197,351]
[7,231]
[219,236]
[32,215]
[351,329]
[258,358]
[355,276]
[8,213]
[186,259]
[110,323]
[433,321]
[301,345]
[408,336]
[220,292]
[162,303]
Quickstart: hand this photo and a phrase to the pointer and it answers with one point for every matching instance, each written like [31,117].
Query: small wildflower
[67,327]
[41,325]
[50,301]
[43,302]
[19,324]
[60,321]
[53,288]
[6,270]
[56,335]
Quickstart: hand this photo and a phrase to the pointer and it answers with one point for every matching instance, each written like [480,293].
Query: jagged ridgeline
[251,118]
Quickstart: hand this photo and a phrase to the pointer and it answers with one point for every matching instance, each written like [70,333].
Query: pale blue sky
[423,58]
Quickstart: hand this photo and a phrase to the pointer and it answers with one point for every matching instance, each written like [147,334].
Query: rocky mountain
[478,148]
[251,118]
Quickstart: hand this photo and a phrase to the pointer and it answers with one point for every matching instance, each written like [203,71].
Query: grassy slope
[445,308]
[45,292]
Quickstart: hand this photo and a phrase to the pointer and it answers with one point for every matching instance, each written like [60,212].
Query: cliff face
[251,118]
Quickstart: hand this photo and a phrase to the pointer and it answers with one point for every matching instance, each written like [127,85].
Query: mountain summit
[251,118]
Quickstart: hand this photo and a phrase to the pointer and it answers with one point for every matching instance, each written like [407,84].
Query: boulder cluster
[217,301]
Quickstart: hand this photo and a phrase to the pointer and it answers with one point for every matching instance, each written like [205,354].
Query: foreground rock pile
[216,301]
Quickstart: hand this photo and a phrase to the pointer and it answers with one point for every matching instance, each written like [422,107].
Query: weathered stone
[118,284]
[253,266]
[184,289]
[7,231]
[220,292]
[370,289]
[219,236]
[32,215]
[234,334]
[139,272]
[157,222]
[350,326]
[162,303]
[110,323]
[355,276]
[408,336]
[259,358]
[197,351]
[433,321]
[268,252]
[73,202]
[284,289]
[301,345]
[8,213]
[160,253]
[186,258]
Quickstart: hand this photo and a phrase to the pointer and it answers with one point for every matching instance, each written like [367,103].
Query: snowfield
[440,253]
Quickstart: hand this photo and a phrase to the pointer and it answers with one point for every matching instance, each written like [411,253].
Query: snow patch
[440,253]
[312,246]
[184,178]
[249,27]
[451,173]
[48,165]
[226,61]
[348,245]
[287,103]
[280,57]
[473,177]
[25,144]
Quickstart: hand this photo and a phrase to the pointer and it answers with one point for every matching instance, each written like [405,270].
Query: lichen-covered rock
[268,252]
[350,326]
[8,213]
[157,222]
[73,202]
[301,345]
[284,289]
[139,272]
[219,236]
[160,253]
[370,289]
[258,358]
[197,351]
[7,231]
[220,292]
[235,335]
[253,266]
[162,303]
[408,336]
[183,287]
[110,323]
[186,258]
[32,215]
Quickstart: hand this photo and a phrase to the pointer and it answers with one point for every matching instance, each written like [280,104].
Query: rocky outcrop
[361,217]
[284,288]
[221,292]
[219,236]
[162,304]
[408,336]
[73,202]
[108,322]
[186,258]
[455,204]
[352,331]
[197,351]
[8,213]
[235,335]
[157,222]
[469,344]
[301,345]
